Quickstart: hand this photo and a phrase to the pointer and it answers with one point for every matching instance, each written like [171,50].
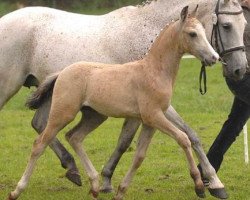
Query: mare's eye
[193,34]
[227,26]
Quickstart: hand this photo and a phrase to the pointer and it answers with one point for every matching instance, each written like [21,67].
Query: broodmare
[141,89]
[240,111]
[36,42]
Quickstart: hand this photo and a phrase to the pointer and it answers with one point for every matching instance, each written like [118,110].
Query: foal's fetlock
[94,182]
[10,197]
[199,186]
[200,189]
[94,194]
[120,193]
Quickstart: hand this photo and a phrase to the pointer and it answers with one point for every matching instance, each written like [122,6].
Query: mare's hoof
[74,177]
[108,189]
[219,193]
[200,193]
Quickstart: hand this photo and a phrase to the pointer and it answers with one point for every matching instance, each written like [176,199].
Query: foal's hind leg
[216,187]
[39,122]
[62,112]
[90,121]
[39,146]
[129,129]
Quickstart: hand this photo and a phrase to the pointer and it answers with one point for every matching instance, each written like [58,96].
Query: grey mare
[36,42]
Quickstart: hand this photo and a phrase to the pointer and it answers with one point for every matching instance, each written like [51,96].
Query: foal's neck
[165,53]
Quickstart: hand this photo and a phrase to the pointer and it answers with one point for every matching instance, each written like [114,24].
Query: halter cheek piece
[216,34]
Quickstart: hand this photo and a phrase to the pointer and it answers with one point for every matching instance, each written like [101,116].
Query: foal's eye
[193,34]
[227,26]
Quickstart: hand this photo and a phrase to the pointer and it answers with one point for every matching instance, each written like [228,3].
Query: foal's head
[192,38]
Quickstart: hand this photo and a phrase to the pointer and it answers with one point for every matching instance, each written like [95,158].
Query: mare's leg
[142,146]
[232,127]
[11,82]
[127,134]
[39,122]
[90,121]
[216,188]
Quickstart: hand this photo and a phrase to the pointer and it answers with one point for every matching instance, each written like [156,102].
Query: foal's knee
[184,141]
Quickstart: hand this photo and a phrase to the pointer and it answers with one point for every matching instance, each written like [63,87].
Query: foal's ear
[184,13]
[195,11]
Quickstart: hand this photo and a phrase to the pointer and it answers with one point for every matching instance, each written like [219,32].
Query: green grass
[164,169]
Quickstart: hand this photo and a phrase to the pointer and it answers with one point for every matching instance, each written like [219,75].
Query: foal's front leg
[216,188]
[158,120]
[39,122]
[141,149]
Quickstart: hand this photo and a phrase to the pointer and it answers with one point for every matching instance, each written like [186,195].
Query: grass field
[162,176]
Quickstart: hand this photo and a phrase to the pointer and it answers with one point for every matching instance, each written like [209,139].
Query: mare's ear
[184,13]
[195,11]
[245,3]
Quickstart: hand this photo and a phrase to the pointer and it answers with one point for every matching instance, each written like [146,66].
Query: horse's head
[229,25]
[193,39]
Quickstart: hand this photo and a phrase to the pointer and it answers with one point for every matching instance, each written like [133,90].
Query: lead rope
[203,76]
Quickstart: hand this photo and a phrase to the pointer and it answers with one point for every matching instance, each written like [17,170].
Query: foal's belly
[113,108]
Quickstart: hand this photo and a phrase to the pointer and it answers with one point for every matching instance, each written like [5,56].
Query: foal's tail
[43,92]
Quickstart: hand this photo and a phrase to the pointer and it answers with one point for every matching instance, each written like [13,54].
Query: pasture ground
[163,175]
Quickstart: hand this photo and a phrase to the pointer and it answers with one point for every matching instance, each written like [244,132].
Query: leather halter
[218,40]
[217,34]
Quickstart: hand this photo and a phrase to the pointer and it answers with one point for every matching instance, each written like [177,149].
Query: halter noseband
[218,40]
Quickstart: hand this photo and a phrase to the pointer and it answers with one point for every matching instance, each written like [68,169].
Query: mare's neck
[165,54]
[138,26]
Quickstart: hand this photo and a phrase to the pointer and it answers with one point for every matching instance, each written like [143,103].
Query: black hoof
[74,177]
[106,189]
[219,193]
[200,193]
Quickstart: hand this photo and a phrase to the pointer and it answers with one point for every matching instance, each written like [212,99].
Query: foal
[140,89]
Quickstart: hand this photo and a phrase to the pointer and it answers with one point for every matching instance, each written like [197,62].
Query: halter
[218,40]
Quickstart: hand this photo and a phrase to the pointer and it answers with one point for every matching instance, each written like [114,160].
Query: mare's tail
[43,92]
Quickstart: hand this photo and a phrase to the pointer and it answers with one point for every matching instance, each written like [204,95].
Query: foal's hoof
[74,177]
[107,189]
[93,193]
[219,193]
[200,193]
[10,197]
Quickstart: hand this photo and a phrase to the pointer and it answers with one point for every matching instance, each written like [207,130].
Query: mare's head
[229,26]
[193,40]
